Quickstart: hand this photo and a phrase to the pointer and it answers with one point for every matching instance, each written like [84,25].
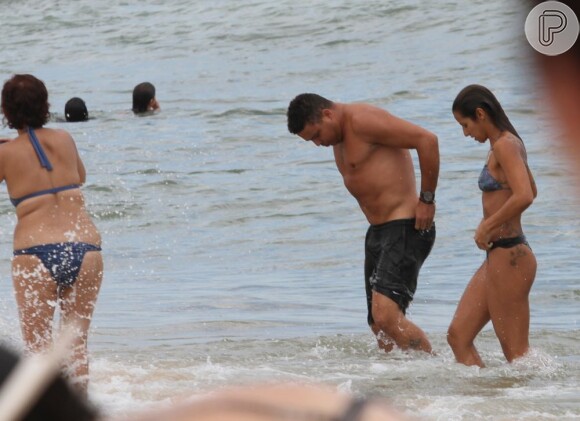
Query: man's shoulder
[363,116]
[364,107]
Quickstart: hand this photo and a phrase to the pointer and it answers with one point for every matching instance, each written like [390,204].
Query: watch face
[427,196]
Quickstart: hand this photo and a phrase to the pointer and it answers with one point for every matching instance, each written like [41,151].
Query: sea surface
[233,252]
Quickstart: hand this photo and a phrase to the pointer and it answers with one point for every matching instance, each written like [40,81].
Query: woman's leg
[77,306]
[511,274]
[36,297]
[471,316]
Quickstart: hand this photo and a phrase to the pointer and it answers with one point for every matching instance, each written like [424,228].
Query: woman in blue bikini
[499,289]
[57,253]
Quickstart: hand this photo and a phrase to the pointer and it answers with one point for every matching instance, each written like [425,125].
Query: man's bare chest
[354,156]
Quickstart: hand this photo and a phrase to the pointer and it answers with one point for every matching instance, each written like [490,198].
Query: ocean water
[233,252]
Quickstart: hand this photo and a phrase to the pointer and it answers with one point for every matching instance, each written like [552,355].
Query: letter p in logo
[551,22]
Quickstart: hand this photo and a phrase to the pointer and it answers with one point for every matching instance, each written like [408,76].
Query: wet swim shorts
[394,253]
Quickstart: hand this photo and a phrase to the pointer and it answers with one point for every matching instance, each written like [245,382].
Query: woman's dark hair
[305,109]
[25,102]
[143,93]
[473,97]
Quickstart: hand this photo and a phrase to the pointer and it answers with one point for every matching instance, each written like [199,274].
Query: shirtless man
[371,150]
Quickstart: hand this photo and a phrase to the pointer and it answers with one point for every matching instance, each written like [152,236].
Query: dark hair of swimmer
[143,93]
[75,110]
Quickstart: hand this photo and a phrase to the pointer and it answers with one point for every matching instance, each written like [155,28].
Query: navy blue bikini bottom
[62,260]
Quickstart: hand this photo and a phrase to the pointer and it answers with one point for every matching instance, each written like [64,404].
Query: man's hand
[424,215]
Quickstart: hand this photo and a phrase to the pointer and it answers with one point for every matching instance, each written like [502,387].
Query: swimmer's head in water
[143,94]
[76,110]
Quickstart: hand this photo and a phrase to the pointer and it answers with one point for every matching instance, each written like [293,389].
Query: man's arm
[428,153]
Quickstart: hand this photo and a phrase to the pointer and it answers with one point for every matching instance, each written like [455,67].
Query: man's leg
[390,320]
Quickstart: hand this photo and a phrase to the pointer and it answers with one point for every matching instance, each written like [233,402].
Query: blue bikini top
[487,183]
[44,163]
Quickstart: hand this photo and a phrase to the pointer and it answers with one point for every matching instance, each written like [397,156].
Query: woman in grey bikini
[500,288]
[57,258]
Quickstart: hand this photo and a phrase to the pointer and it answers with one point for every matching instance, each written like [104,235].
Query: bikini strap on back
[44,162]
